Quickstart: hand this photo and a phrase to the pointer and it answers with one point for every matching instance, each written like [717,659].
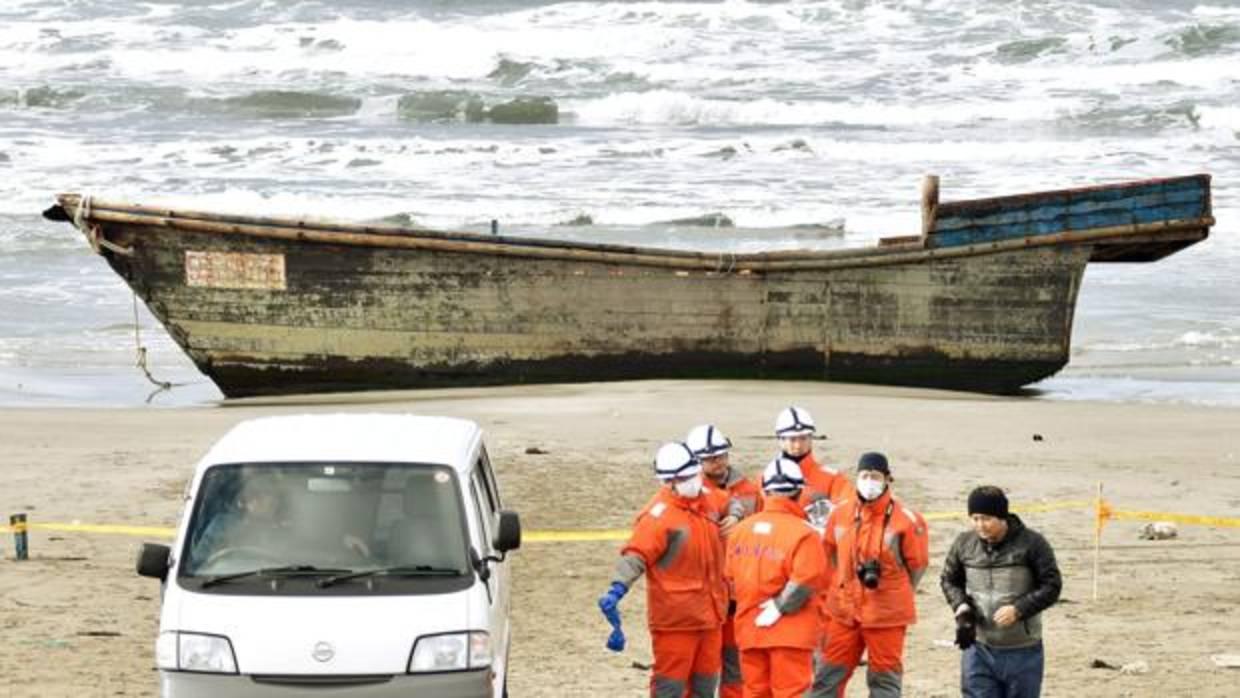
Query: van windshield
[302,520]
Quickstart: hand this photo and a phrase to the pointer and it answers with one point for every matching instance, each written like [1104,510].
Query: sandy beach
[77,621]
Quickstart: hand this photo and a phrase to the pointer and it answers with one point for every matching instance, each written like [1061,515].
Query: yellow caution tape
[573,536]
[1179,518]
[167,532]
[153,531]
[1029,509]
[600,535]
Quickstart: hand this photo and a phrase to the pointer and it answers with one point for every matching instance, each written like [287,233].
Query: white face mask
[689,488]
[870,489]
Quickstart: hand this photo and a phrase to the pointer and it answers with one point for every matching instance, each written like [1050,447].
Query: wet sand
[77,621]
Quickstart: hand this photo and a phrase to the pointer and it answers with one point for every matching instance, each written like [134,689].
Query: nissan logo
[323,652]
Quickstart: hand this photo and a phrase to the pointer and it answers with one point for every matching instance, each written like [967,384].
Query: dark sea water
[792,119]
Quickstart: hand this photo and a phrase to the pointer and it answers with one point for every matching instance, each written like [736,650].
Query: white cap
[706,440]
[794,421]
[782,475]
[675,460]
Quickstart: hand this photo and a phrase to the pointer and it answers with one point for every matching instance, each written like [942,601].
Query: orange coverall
[873,620]
[823,482]
[677,545]
[776,554]
[744,500]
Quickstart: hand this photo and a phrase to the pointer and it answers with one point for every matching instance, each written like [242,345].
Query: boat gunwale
[991,203]
[330,232]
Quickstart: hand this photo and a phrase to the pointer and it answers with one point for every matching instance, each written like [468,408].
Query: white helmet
[706,441]
[794,421]
[675,460]
[782,475]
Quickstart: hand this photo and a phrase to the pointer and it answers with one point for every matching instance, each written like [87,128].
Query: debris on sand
[1135,668]
[1226,661]
[535,451]
[1159,530]
[1101,664]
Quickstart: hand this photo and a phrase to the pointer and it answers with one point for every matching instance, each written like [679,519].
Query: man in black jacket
[998,578]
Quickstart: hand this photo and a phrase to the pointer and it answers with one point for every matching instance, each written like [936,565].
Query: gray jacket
[1019,570]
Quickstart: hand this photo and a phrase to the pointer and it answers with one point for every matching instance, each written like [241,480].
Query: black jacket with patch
[1019,570]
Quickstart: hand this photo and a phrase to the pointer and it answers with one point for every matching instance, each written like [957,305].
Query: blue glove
[615,641]
[609,604]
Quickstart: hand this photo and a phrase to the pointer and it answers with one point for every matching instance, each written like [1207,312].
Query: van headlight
[450,652]
[177,651]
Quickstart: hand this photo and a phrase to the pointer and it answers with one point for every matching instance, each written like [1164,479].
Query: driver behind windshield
[252,524]
[276,521]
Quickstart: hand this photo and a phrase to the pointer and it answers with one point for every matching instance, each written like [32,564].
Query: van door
[486,506]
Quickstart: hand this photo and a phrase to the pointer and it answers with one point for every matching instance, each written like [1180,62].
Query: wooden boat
[982,299]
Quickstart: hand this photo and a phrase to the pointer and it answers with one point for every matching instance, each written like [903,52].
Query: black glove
[966,629]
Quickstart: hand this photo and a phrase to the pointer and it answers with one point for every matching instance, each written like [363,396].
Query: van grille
[327,680]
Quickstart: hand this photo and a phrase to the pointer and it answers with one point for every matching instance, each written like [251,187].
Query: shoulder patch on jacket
[657,510]
[919,524]
[762,528]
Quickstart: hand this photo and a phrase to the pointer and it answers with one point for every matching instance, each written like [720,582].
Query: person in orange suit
[879,549]
[825,487]
[777,568]
[677,545]
[712,447]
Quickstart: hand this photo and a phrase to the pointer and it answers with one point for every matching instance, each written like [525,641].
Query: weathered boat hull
[277,307]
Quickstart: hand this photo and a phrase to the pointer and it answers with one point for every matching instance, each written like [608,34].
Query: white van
[358,555]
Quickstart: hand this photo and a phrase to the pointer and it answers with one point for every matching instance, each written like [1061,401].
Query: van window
[482,518]
[404,522]
[488,481]
[483,522]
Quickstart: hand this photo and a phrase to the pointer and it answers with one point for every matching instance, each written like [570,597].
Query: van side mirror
[153,560]
[508,533]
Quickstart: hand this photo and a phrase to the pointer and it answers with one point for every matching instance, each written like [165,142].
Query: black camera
[868,572]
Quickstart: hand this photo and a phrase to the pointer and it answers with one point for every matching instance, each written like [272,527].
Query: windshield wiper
[285,571]
[399,571]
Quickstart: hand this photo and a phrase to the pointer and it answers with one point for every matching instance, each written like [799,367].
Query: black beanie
[873,461]
[988,500]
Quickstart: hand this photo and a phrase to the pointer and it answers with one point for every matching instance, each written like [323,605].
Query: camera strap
[891,507]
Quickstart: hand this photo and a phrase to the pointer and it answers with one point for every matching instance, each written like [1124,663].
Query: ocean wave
[1207,339]
[1025,50]
[1192,339]
[666,107]
[1076,385]
[1220,117]
[1206,39]
[279,104]
[1103,118]
[458,105]
[40,97]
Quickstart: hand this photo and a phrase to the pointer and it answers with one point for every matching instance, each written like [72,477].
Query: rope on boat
[94,235]
[141,353]
[81,217]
